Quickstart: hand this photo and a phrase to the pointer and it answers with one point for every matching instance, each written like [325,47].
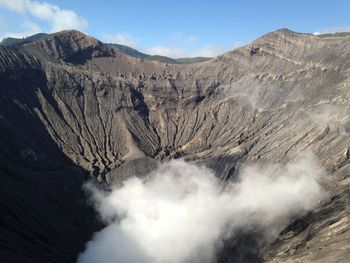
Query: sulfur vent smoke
[182,213]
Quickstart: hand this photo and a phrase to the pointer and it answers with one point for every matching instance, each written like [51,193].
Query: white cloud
[179,37]
[59,19]
[120,38]
[182,212]
[29,28]
[208,51]
[333,30]
[15,5]
[173,52]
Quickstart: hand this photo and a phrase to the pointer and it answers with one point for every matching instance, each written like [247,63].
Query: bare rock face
[71,107]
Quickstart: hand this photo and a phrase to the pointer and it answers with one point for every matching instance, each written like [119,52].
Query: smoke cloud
[333,116]
[181,212]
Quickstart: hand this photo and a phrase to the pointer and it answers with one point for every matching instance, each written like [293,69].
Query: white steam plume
[181,212]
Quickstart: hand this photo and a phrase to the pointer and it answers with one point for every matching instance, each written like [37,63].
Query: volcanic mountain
[73,109]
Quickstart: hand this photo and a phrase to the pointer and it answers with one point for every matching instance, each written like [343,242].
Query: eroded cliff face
[73,107]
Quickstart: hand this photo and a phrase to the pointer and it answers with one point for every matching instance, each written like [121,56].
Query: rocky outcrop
[72,107]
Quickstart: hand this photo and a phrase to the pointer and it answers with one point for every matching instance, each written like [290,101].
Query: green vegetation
[338,34]
[161,59]
[192,60]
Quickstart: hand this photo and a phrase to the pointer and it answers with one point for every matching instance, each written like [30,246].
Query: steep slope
[81,107]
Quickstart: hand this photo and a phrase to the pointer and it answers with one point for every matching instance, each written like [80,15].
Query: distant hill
[128,50]
[11,41]
[135,53]
[338,34]
[192,60]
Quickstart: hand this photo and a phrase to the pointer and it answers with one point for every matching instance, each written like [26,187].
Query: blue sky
[173,28]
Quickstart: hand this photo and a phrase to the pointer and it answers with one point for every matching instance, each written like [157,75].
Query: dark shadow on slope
[243,248]
[43,213]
